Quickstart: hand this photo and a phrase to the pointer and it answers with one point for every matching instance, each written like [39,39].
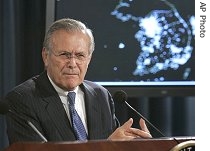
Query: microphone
[4,109]
[121,97]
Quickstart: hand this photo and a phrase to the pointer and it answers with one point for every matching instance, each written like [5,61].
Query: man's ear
[45,54]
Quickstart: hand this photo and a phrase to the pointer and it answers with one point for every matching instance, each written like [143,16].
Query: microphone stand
[149,122]
[30,124]
[145,119]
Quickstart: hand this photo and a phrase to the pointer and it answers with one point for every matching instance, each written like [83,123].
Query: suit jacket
[37,101]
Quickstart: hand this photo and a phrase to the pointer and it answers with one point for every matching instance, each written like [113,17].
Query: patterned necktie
[77,124]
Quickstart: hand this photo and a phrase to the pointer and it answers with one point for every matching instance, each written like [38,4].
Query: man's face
[67,72]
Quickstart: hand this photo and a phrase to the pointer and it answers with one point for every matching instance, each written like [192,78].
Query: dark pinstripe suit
[36,100]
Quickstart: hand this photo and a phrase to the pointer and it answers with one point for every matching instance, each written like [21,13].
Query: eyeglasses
[64,55]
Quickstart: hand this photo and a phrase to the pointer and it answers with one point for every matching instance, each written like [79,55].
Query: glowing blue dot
[121,45]
[115,68]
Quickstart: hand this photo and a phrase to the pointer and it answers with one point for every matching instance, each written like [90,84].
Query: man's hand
[126,132]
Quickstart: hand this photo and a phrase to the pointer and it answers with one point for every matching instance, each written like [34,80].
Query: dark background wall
[22,28]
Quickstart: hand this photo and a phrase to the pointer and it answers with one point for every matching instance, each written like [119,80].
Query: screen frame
[154,91]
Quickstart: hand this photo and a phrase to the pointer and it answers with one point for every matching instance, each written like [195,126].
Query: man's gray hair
[68,25]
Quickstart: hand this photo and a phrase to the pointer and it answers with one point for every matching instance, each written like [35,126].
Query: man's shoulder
[96,89]
[93,84]
[30,83]
[27,85]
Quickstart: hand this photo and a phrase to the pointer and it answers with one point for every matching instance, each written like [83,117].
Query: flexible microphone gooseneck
[121,96]
[4,109]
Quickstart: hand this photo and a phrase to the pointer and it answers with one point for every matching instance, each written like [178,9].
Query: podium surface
[162,144]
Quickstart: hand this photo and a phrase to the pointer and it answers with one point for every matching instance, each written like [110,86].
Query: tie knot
[71,96]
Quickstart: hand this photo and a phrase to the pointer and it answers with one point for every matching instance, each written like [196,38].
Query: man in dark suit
[43,99]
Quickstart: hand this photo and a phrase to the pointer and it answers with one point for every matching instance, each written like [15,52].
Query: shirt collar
[60,91]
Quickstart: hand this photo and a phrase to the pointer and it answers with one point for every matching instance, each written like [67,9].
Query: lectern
[162,144]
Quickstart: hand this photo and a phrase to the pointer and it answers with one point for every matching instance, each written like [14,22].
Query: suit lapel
[55,108]
[58,115]
[93,112]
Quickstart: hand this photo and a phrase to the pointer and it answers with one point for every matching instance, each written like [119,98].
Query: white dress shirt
[79,102]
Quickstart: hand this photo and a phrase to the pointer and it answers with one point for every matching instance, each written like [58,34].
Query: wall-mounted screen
[145,47]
